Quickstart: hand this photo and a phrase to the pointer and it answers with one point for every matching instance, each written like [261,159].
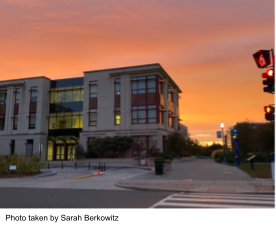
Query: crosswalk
[207,200]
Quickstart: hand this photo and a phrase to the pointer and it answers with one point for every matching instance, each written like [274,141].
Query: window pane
[60,123]
[141,120]
[53,97]
[76,95]
[134,114]
[81,121]
[93,95]
[141,107]
[93,116]
[81,95]
[134,85]
[135,107]
[93,110]
[50,151]
[141,114]
[75,122]
[52,123]
[151,83]
[141,91]
[61,97]
[68,96]
[151,113]
[151,106]
[151,90]
[93,82]
[141,84]
[134,91]
[93,89]
[152,120]
[141,78]
[68,123]
[134,121]
[150,77]
[117,80]
[93,123]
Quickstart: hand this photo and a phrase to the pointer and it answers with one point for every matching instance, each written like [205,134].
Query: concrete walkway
[199,176]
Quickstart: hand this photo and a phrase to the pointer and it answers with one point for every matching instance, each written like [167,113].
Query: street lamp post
[223,146]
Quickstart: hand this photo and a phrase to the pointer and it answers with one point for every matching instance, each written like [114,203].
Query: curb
[47,174]
[186,191]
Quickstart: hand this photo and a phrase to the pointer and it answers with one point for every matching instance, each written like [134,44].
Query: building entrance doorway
[70,150]
[60,153]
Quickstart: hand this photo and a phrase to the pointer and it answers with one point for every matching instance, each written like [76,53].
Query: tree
[267,136]
[99,145]
[120,143]
[215,146]
[176,144]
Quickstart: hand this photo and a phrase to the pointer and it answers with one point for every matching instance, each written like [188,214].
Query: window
[143,84]
[117,115]
[117,87]
[65,120]
[33,94]
[161,115]
[141,114]
[92,117]
[17,95]
[15,121]
[32,119]
[2,122]
[171,122]
[3,95]
[93,90]
[67,94]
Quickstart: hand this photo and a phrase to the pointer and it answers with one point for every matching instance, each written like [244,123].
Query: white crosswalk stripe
[207,200]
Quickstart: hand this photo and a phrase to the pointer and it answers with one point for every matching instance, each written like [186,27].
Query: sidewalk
[205,176]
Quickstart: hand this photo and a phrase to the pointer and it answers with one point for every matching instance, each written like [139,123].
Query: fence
[101,167]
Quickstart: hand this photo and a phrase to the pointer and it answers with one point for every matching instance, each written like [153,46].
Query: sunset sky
[206,46]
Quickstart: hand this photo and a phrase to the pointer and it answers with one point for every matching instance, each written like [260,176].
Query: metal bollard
[48,165]
[104,166]
[99,166]
[75,165]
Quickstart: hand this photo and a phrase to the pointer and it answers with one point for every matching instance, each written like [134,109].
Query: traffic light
[269,81]
[269,113]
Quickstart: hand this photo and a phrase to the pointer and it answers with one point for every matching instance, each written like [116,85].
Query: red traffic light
[268,74]
[267,109]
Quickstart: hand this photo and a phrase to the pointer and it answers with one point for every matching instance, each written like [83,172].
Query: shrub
[230,156]
[158,159]
[80,152]
[28,166]
[215,152]
[219,157]
[164,155]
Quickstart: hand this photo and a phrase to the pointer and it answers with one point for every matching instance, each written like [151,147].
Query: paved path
[199,176]
[199,200]
[63,179]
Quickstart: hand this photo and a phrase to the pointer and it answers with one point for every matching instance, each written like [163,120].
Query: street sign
[12,167]
[262,58]
[218,134]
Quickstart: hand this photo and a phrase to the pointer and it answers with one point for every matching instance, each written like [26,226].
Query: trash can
[159,166]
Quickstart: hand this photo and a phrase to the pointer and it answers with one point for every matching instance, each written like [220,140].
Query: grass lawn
[261,170]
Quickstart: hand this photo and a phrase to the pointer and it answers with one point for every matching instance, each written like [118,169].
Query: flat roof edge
[122,68]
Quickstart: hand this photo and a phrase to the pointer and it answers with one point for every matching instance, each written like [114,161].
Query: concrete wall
[23,133]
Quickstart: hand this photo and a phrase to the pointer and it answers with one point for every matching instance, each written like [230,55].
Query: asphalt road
[77,198]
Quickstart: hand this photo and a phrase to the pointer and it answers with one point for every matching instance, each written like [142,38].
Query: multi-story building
[137,101]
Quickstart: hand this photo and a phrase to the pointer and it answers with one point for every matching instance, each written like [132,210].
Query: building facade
[137,101]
